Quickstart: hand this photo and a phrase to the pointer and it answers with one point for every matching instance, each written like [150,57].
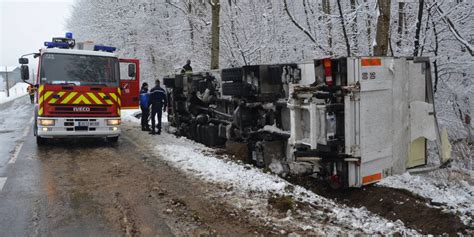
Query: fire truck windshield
[79,70]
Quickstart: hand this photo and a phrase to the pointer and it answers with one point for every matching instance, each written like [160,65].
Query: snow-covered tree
[163,34]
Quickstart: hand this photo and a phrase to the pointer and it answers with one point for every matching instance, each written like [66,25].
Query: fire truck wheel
[40,140]
[112,139]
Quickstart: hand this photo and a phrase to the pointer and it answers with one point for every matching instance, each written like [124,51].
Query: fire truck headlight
[46,122]
[113,122]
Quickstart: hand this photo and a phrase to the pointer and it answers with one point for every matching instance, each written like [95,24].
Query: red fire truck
[81,89]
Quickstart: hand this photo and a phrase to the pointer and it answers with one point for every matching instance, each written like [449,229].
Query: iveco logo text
[82,109]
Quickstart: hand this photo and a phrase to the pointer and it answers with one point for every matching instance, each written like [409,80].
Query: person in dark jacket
[158,104]
[145,106]
[187,68]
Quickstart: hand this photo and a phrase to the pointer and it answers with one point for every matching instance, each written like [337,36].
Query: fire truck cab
[81,90]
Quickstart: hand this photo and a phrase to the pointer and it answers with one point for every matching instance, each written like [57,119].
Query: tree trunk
[327,12]
[401,23]
[355,32]
[368,24]
[418,28]
[348,45]
[435,62]
[383,28]
[215,32]
[191,27]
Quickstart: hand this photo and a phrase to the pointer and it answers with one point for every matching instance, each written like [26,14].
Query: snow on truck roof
[78,52]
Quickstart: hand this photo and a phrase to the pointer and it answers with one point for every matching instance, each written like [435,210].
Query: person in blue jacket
[145,106]
[158,104]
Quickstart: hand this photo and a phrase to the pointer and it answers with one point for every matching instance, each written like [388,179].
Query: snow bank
[456,196]
[18,90]
[250,189]
[133,115]
[130,115]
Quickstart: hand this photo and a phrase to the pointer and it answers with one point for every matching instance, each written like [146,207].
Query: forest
[163,34]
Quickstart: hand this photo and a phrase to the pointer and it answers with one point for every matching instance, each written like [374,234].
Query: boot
[159,131]
[152,132]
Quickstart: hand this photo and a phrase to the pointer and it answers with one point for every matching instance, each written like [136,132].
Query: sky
[26,24]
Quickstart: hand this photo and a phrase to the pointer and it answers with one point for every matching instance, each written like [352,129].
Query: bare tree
[383,28]
[293,20]
[435,51]
[215,33]
[355,27]
[368,24]
[418,28]
[327,13]
[454,29]
[348,45]
[401,22]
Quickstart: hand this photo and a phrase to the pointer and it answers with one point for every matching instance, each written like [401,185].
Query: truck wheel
[40,140]
[112,139]
[233,89]
[232,74]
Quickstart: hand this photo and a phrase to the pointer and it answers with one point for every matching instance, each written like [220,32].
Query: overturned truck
[350,121]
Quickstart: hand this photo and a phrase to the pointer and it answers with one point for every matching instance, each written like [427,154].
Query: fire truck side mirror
[25,72]
[131,70]
[23,61]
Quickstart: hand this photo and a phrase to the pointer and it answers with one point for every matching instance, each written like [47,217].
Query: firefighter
[158,104]
[187,68]
[31,91]
[145,106]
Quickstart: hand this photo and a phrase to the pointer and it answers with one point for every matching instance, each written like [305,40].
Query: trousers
[156,111]
[145,116]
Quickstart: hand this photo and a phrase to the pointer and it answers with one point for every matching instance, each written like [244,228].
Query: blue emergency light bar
[63,45]
[109,49]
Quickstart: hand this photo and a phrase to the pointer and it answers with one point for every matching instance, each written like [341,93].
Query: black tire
[112,139]
[35,124]
[236,89]
[232,74]
[40,141]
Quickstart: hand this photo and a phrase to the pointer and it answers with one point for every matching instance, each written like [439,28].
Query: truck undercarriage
[351,121]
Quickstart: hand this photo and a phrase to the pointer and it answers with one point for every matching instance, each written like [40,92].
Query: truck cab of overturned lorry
[81,89]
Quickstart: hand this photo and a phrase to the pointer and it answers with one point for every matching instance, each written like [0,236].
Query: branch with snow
[454,30]
[306,32]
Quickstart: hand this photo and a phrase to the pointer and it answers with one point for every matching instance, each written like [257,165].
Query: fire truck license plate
[87,123]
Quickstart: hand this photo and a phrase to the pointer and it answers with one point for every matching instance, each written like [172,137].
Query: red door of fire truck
[130,83]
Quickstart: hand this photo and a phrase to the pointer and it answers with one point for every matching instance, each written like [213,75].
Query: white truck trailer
[350,121]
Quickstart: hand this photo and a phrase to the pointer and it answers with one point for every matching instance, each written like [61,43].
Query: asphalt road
[88,187]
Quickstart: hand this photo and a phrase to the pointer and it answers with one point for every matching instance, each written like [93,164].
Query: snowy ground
[249,188]
[16,91]
[449,189]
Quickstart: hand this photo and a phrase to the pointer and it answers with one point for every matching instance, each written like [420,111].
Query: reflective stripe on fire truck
[53,100]
[119,91]
[94,98]
[43,96]
[76,98]
[103,95]
[69,97]
[80,99]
